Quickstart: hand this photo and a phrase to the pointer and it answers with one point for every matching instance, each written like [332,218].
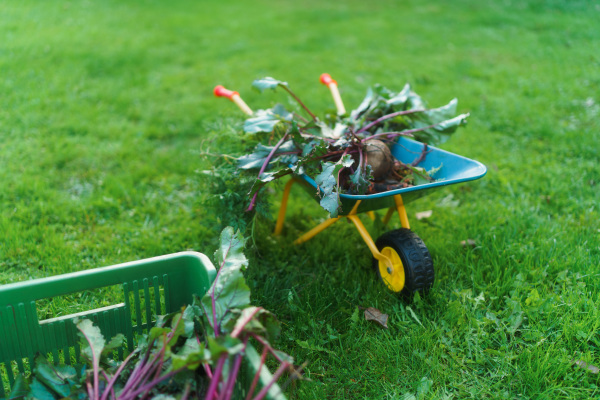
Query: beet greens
[335,151]
[194,353]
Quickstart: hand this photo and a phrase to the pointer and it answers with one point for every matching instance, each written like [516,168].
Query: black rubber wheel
[415,268]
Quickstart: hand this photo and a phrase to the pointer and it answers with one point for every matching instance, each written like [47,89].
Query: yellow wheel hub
[392,276]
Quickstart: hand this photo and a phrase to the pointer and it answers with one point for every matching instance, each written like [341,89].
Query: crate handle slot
[82,313]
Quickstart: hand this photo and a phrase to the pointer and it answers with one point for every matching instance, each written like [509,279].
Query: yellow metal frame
[352,216]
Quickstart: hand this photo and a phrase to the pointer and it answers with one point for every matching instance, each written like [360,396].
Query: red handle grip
[327,80]
[220,91]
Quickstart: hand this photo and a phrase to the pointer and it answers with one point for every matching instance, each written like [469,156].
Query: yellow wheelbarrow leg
[389,261]
[323,225]
[316,230]
[365,235]
[371,215]
[388,215]
[283,208]
[401,211]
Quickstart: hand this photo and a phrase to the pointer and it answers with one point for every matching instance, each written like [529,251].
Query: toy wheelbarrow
[400,257]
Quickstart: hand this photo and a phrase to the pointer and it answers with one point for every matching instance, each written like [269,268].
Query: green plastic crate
[150,287]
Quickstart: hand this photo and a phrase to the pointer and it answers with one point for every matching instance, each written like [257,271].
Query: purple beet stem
[385,117]
[112,381]
[212,389]
[407,132]
[276,376]
[263,357]
[234,373]
[242,325]
[264,166]
[153,383]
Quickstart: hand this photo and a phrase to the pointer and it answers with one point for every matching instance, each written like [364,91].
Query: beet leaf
[196,352]
[328,183]
[267,83]
[265,120]
[330,150]
[229,290]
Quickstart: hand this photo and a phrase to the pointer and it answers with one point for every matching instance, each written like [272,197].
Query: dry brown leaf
[373,314]
[423,214]
[588,367]
[468,242]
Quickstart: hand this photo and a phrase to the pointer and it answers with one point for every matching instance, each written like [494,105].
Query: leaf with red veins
[229,290]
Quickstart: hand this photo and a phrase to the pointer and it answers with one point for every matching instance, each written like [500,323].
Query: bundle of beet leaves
[348,153]
[199,352]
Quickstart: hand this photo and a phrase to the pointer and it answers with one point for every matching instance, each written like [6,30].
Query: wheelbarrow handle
[328,81]
[221,91]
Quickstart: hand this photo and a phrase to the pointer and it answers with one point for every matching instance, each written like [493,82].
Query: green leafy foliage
[20,388]
[360,181]
[115,343]
[436,125]
[333,151]
[92,341]
[267,83]
[211,334]
[191,355]
[421,176]
[258,157]
[58,380]
[327,182]
[229,290]
[267,177]
[266,120]
[227,197]
[258,321]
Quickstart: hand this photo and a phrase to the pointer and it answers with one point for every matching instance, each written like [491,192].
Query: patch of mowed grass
[107,111]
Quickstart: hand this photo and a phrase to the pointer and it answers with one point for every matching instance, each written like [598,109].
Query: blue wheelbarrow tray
[454,169]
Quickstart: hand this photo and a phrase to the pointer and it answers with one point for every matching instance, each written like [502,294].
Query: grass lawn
[106,110]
